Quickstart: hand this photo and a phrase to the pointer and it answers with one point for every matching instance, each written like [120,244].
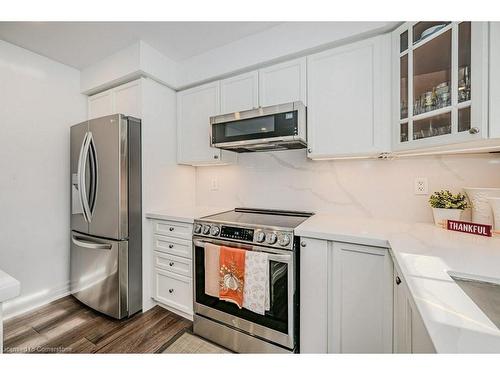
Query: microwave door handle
[79,241]
[80,172]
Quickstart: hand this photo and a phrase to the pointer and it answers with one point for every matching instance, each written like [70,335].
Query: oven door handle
[271,256]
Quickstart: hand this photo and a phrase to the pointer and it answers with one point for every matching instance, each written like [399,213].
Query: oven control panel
[235,233]
[257,236]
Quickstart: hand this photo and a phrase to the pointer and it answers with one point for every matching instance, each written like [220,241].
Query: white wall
[40,100]
[363,188]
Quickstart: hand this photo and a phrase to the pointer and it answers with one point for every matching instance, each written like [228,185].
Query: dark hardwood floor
[67,326]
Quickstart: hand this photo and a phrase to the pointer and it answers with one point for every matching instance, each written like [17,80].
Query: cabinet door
[402,316]
[410,334]
[360,299]
[128,99]
[194,108]
[348,100]
[239,93]
[494,80]
[313,296]
[283,83]
[101,104]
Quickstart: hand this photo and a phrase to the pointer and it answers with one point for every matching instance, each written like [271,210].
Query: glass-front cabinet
[439,83]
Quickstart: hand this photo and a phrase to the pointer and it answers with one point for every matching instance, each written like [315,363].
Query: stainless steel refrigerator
[106,217]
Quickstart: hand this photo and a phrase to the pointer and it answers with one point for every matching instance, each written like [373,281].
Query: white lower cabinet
[345,298]
[172,285]
[410,334]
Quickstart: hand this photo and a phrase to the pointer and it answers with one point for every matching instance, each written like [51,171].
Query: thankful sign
[472,228]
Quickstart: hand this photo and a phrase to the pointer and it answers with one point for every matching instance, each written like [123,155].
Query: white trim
[26,303]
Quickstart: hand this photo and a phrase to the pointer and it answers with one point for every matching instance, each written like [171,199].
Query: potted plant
[447,206]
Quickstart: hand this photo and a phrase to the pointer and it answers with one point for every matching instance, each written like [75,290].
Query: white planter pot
[443,214]
[480,207]
[495,208]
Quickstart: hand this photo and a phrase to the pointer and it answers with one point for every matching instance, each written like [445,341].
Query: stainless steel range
[239,329]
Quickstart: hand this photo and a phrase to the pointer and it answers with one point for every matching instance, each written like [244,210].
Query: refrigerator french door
[106,217]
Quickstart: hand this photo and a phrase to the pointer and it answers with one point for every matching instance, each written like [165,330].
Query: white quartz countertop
[185,214]
[9,287]
[425,254]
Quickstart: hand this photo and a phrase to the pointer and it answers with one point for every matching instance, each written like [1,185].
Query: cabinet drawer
[172,263]
[174,246]
[173,229]
[174,290]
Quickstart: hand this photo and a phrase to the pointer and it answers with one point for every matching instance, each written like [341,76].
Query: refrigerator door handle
[80,173]
[82,242]
[83,180]
[94,167]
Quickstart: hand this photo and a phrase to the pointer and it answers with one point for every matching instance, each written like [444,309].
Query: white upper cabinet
[348,100]
[101,104]
[283,83]
[125,99]
[440,84]
[239,93]
[494,80]
[128,99]
[194,108]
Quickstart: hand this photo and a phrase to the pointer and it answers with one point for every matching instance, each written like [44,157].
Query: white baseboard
[26,303]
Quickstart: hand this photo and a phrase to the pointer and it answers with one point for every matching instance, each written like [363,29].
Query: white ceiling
[80,44]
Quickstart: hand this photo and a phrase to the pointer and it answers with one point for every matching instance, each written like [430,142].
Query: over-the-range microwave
[277,127]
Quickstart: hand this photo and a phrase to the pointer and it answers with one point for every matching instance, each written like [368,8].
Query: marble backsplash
[362,188]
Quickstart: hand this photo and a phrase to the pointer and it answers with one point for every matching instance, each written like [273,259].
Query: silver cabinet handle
[78,241]
[309,150]
[171,229]
[170,291]
[398,280]
[171,264]
[474,130]
[170,246]
[303,244]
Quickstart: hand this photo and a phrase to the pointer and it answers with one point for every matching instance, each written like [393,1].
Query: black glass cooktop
[261,217]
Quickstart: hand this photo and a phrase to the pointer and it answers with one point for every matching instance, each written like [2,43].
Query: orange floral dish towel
[231,275]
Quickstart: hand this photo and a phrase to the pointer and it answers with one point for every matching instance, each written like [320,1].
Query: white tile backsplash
[366,188]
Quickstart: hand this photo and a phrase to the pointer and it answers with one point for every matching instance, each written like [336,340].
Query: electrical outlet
[214,184]
[421,186]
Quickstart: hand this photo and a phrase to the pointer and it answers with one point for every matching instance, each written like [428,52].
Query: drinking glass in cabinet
[432,126]
[423,30]
[403,41]
[432,74]
[464,59]
[464,119]
[403,90]
[403,136]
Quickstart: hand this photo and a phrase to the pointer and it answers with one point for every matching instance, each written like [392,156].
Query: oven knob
[260,237]
[206,229]
[197,228]
[283,239]
[214,231]
[270,238]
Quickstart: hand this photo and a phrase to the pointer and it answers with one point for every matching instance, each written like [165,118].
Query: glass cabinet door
[435,90]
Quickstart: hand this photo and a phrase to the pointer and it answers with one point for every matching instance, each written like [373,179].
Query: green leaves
[445,199]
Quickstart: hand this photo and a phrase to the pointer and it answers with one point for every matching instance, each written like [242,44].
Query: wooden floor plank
[67,326]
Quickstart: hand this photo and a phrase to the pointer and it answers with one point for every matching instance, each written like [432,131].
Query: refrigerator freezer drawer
[99,274]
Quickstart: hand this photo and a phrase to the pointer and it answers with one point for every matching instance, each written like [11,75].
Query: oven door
[278,323]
